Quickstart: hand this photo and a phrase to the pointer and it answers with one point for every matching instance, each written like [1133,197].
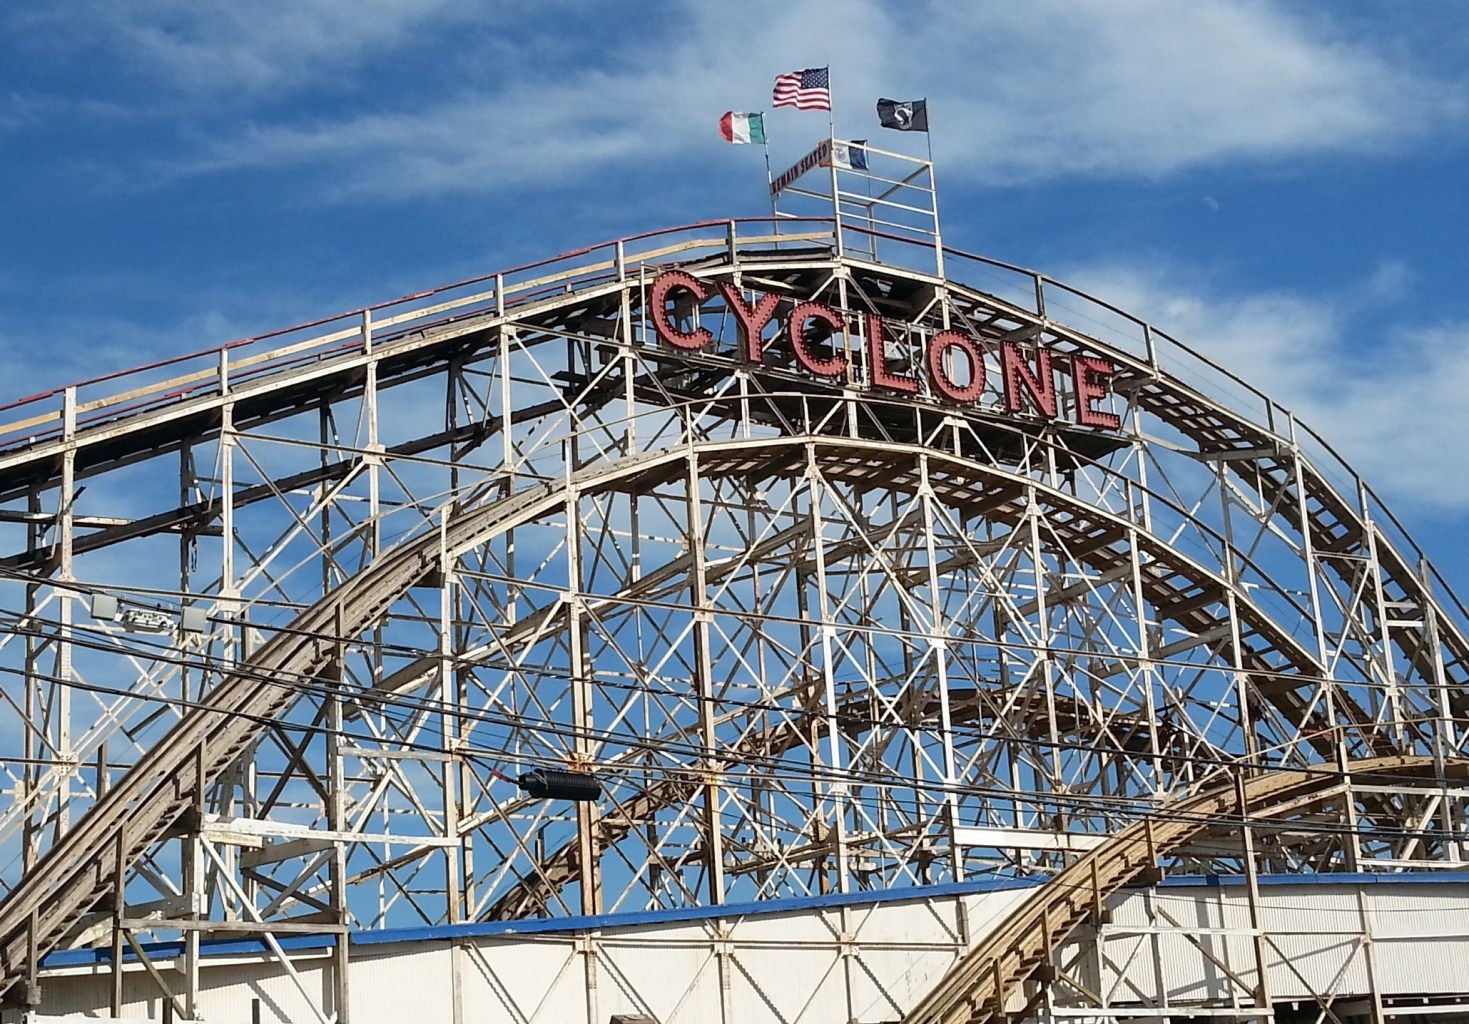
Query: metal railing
[49,415]
[212,371]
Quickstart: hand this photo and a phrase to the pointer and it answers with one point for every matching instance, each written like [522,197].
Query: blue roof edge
[540,926]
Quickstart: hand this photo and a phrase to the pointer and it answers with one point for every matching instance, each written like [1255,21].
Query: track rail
[534,894]
[105,424]
[982,985]
[79,873]
[425,329]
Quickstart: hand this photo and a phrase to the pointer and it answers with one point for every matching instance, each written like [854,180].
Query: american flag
[804,90]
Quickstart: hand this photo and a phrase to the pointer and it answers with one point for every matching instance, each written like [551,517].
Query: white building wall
[1178,945]
[1171,947]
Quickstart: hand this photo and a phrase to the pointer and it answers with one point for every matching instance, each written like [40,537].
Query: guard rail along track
[400,337]
[79,874]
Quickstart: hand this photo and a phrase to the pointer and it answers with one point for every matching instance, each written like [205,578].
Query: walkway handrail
[44,414]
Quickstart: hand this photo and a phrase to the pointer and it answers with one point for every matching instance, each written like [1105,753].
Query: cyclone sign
[956,364]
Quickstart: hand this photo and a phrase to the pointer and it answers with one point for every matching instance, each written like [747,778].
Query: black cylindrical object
[554,784]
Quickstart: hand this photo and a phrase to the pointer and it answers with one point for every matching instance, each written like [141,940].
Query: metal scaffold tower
[827,560]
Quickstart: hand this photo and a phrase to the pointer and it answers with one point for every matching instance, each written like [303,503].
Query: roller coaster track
[1174,589]
[143,422]
[78,873]
[987,979]
[1259,459]
[81,872]
[533,895]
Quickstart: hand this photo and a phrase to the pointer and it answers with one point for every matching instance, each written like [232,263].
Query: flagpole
[831,143]
[769,175]
[831,117]
[928,137]
[933,188]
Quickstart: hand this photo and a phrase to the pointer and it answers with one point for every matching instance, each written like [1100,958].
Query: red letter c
[658,303]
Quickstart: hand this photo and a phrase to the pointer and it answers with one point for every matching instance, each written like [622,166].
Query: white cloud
[1149,87]
[100,345]
[1386,403]
[217,45]
[1390,281]
[24,110]
[645,106]
[1017,93]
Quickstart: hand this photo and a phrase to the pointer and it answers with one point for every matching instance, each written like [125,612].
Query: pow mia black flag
[905,116]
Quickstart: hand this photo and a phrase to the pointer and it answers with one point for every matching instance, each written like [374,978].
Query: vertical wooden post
[118,877]
[1252,882]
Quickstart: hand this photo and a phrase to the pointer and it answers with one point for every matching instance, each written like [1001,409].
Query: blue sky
[1280,184]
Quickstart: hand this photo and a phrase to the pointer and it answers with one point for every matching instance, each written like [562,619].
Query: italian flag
[736,127]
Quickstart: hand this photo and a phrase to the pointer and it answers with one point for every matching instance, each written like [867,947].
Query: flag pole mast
[933,189]
[769,175]
[831,145]
[831,117]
